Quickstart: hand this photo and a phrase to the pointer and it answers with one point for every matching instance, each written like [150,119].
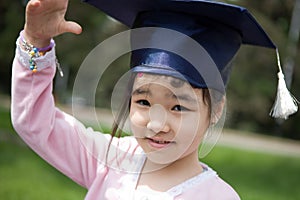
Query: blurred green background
[251,93]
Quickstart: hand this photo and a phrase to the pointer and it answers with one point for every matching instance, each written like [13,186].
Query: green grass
[23,175]
[5,122]
[255,176]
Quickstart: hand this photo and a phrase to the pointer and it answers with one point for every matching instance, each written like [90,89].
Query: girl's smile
[159,143]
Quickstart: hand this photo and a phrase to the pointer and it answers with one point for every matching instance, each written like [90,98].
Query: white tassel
[285,104]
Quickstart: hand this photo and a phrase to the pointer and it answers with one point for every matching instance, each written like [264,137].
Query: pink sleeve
[56,136]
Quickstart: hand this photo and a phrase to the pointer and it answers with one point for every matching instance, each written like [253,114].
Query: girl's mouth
[158,143]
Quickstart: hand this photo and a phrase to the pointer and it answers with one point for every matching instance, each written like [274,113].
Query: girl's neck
[164,177]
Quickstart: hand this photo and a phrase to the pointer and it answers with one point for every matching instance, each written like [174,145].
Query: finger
[72,27]
[33,5]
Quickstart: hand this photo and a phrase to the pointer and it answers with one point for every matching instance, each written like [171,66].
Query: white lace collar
[147,193]
[180,188]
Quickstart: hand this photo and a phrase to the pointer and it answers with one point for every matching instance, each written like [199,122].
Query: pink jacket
[80,152]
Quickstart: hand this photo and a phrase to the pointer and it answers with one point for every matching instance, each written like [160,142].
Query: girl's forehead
[170,84]
[143,79]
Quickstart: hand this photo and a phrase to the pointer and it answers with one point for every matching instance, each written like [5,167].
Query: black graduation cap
[219,27]
[234,16]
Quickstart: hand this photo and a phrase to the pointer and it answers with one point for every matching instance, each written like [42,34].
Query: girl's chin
[160,153]
[162,157]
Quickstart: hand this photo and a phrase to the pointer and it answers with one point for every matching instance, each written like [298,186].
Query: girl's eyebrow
[140,91]
[181,97]
[184,97]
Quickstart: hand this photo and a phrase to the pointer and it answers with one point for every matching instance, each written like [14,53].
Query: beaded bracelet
[34,52]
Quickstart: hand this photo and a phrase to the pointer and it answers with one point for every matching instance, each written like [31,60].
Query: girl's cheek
[139,119]
[138,124]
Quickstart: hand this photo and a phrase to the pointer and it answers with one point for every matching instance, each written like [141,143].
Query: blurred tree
[11,15]
[72,49]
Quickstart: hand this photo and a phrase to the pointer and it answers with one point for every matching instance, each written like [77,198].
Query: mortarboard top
[234,16]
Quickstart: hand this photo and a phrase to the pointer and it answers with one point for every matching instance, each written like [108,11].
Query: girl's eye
[180,108]
[143,102]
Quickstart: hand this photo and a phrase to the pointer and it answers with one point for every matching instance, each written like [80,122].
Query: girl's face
[168,117]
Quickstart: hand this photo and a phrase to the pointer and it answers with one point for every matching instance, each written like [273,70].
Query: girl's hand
[45,19]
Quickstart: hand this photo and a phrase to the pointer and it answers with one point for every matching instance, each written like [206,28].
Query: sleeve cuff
[45,61]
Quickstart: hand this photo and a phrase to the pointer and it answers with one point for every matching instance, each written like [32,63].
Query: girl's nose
[158,119]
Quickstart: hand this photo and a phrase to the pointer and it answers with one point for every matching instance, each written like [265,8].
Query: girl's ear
[217,110]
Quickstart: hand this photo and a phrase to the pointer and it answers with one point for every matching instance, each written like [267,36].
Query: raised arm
[54,135]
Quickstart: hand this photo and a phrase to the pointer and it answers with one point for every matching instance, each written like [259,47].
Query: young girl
[170,109]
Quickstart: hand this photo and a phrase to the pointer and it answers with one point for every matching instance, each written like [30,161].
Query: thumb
[72,27]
